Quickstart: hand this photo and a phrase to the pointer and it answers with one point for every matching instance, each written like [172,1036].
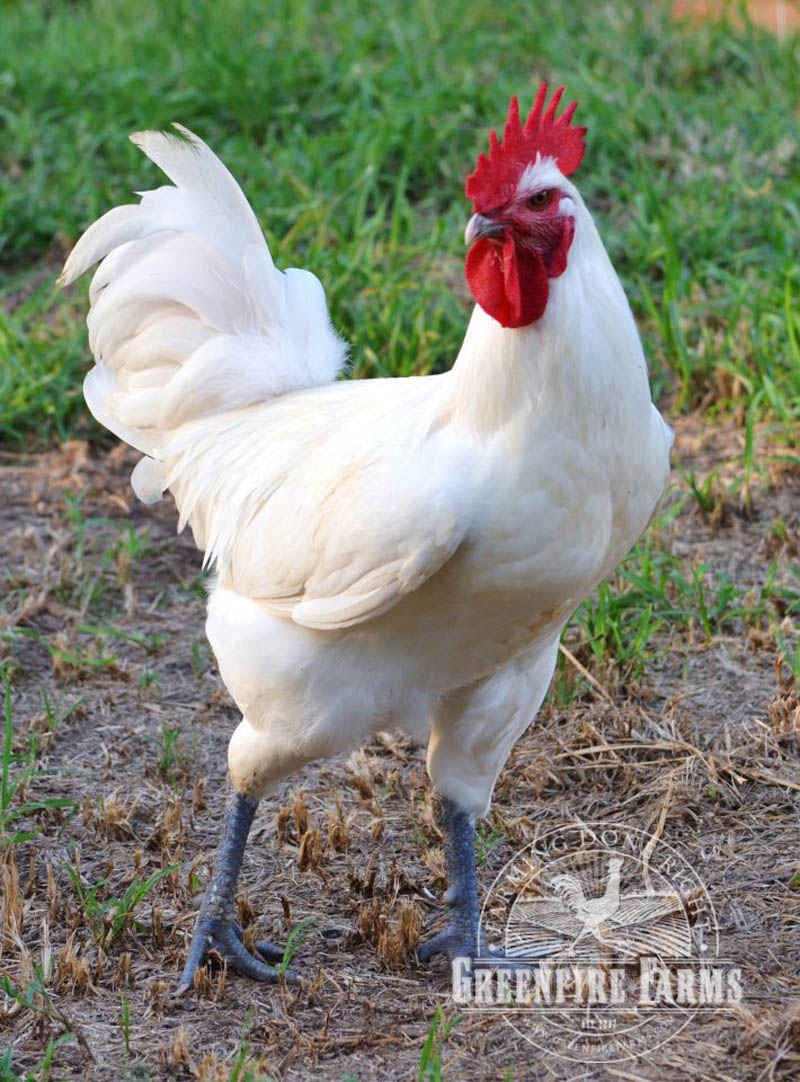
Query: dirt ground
[701,750]
[776,15]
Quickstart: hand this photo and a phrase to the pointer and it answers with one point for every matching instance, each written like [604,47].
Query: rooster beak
[478,226]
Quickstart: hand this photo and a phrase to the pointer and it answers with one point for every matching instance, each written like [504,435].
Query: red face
[517,248]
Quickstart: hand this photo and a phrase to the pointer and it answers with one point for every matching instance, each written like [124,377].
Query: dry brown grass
[703,749]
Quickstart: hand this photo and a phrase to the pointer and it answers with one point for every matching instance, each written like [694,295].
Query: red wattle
[507,281]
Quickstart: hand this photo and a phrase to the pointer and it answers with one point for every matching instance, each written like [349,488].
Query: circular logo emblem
[601,944]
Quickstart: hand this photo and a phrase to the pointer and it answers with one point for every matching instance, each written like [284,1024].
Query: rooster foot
[454,941]
[225,938]
[215,930]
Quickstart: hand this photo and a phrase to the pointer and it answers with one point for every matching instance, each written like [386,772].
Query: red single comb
[495,178]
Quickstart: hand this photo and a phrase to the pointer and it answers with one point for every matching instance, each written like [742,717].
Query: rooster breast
[361,586]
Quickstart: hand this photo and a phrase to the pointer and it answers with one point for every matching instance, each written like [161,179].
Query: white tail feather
[189,316]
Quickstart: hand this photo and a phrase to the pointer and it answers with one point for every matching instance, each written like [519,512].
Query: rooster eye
[539,199]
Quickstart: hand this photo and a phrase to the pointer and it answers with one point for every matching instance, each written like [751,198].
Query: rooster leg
[215,928]
[459,937]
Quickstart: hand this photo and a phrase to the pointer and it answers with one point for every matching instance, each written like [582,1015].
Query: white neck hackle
[583,353]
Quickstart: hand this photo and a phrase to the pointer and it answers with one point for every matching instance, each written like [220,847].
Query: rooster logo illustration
[563,922]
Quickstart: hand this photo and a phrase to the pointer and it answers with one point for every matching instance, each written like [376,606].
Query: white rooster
[388,552]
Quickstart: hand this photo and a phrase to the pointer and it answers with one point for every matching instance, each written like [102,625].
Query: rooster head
[524,218]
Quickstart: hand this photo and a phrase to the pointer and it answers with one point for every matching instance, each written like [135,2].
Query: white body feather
[389,552]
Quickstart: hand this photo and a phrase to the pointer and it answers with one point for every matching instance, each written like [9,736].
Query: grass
[431,1060]
[34,997]
[354,156]
[120,923]
[15,772]
[351,130]
[352,133]
[294,940]
[109,917]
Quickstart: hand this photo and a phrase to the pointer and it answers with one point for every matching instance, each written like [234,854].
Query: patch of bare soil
[779,16]
[102,622]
